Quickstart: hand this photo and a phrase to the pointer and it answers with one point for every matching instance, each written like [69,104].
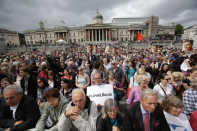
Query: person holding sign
[110,118]
[80,115]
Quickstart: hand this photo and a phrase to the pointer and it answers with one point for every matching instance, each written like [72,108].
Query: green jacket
[53,113]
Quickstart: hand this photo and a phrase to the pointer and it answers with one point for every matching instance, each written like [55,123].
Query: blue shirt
[144,112]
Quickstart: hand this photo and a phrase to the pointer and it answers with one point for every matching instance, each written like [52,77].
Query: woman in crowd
[82,79]
[54,108]
[43,87]
[177,84]
[163,87]
[66,75]
[126,63]
[192,74]
[172,107]
[103,73]
[85,67]
[5,71]
[110,118]
[120,64]
[189,98]
[132,82]
[130,71]
[166,60]
[164,69]
[185,65]
[134,94]
[66,90]
[116,84]
[155,73]
[107,50]
[52,81]
[4,83]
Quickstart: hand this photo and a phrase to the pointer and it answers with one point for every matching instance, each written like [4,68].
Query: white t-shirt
[180,123]
[160,92]
[184,66]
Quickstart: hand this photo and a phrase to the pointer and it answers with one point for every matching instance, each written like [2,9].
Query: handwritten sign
[100,93]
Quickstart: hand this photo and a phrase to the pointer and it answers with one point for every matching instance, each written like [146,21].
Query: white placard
[100,93]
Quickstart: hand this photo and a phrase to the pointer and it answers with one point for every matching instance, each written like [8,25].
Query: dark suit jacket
[27,111]
[133,120]
[57,84]
[32,86]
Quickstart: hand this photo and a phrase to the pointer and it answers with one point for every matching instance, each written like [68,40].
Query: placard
[100,93]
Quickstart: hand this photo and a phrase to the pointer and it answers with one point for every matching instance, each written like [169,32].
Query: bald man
[80,115]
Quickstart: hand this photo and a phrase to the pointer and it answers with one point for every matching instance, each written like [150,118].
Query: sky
[20,15]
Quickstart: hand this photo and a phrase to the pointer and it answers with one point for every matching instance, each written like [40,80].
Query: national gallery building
[121,29]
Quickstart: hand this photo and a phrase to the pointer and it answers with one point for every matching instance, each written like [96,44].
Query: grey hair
[78,90]
[18,89]
[193,83]
[109,103]
[114,61]
[141,78]
[147,92]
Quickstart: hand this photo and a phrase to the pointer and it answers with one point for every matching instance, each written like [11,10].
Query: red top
[69,76]
[41,74]
[193,120]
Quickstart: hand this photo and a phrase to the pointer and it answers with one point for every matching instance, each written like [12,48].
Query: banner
[100,93]
[86,34]
[107,33]
[139,36]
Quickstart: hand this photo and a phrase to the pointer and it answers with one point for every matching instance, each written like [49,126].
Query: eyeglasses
[51,101]
[39,81]
[79,70]
[113,111]
[113,63]
[167,79]
[97,78]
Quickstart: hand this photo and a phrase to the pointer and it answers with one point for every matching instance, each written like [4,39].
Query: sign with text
[100,93]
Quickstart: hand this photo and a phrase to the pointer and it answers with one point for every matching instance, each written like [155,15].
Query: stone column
[92,35]
[95,35]
[63,36]
[85,35]
[67,40]
[117,35]
[106,35]
[133,36]
[58,36]
[102,35]
[88,35]
[109,35]
[129,36]
[99,35]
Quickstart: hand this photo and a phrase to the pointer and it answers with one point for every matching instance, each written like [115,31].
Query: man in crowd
[145,115]
[96,66]
[72,70]
[44,72]
[20,112]
[119,74]
[28,82]
[80,115]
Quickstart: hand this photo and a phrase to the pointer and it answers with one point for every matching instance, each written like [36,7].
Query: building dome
[97,18]
[97,15]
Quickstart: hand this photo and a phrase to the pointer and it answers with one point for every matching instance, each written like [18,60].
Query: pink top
[134,95]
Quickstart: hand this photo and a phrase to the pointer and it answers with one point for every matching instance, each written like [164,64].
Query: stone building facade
[189,33]
[10,37]
[121,29]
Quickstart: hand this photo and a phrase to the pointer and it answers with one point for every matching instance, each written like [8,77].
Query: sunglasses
[167,79]
[39,81]
[79,70]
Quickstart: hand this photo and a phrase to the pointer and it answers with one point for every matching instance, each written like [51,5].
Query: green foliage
[179,29]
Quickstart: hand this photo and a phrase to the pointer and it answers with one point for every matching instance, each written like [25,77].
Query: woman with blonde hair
[134,94]
[110,118]
[5,71]
[177,83]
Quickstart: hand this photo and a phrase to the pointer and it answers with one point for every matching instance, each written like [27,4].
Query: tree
[179,29]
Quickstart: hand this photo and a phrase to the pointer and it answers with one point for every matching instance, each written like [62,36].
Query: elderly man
[145,115]
[72,70]
[97,79]
[20,112]
[119,74]
[106,65]
[80,115]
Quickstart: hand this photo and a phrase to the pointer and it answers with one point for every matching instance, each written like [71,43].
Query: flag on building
[62,21]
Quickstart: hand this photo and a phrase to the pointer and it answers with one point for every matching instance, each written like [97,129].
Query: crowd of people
[48,89]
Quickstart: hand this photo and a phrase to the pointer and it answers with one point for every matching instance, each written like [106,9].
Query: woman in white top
[185,65]
[172,107]
[163,88]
